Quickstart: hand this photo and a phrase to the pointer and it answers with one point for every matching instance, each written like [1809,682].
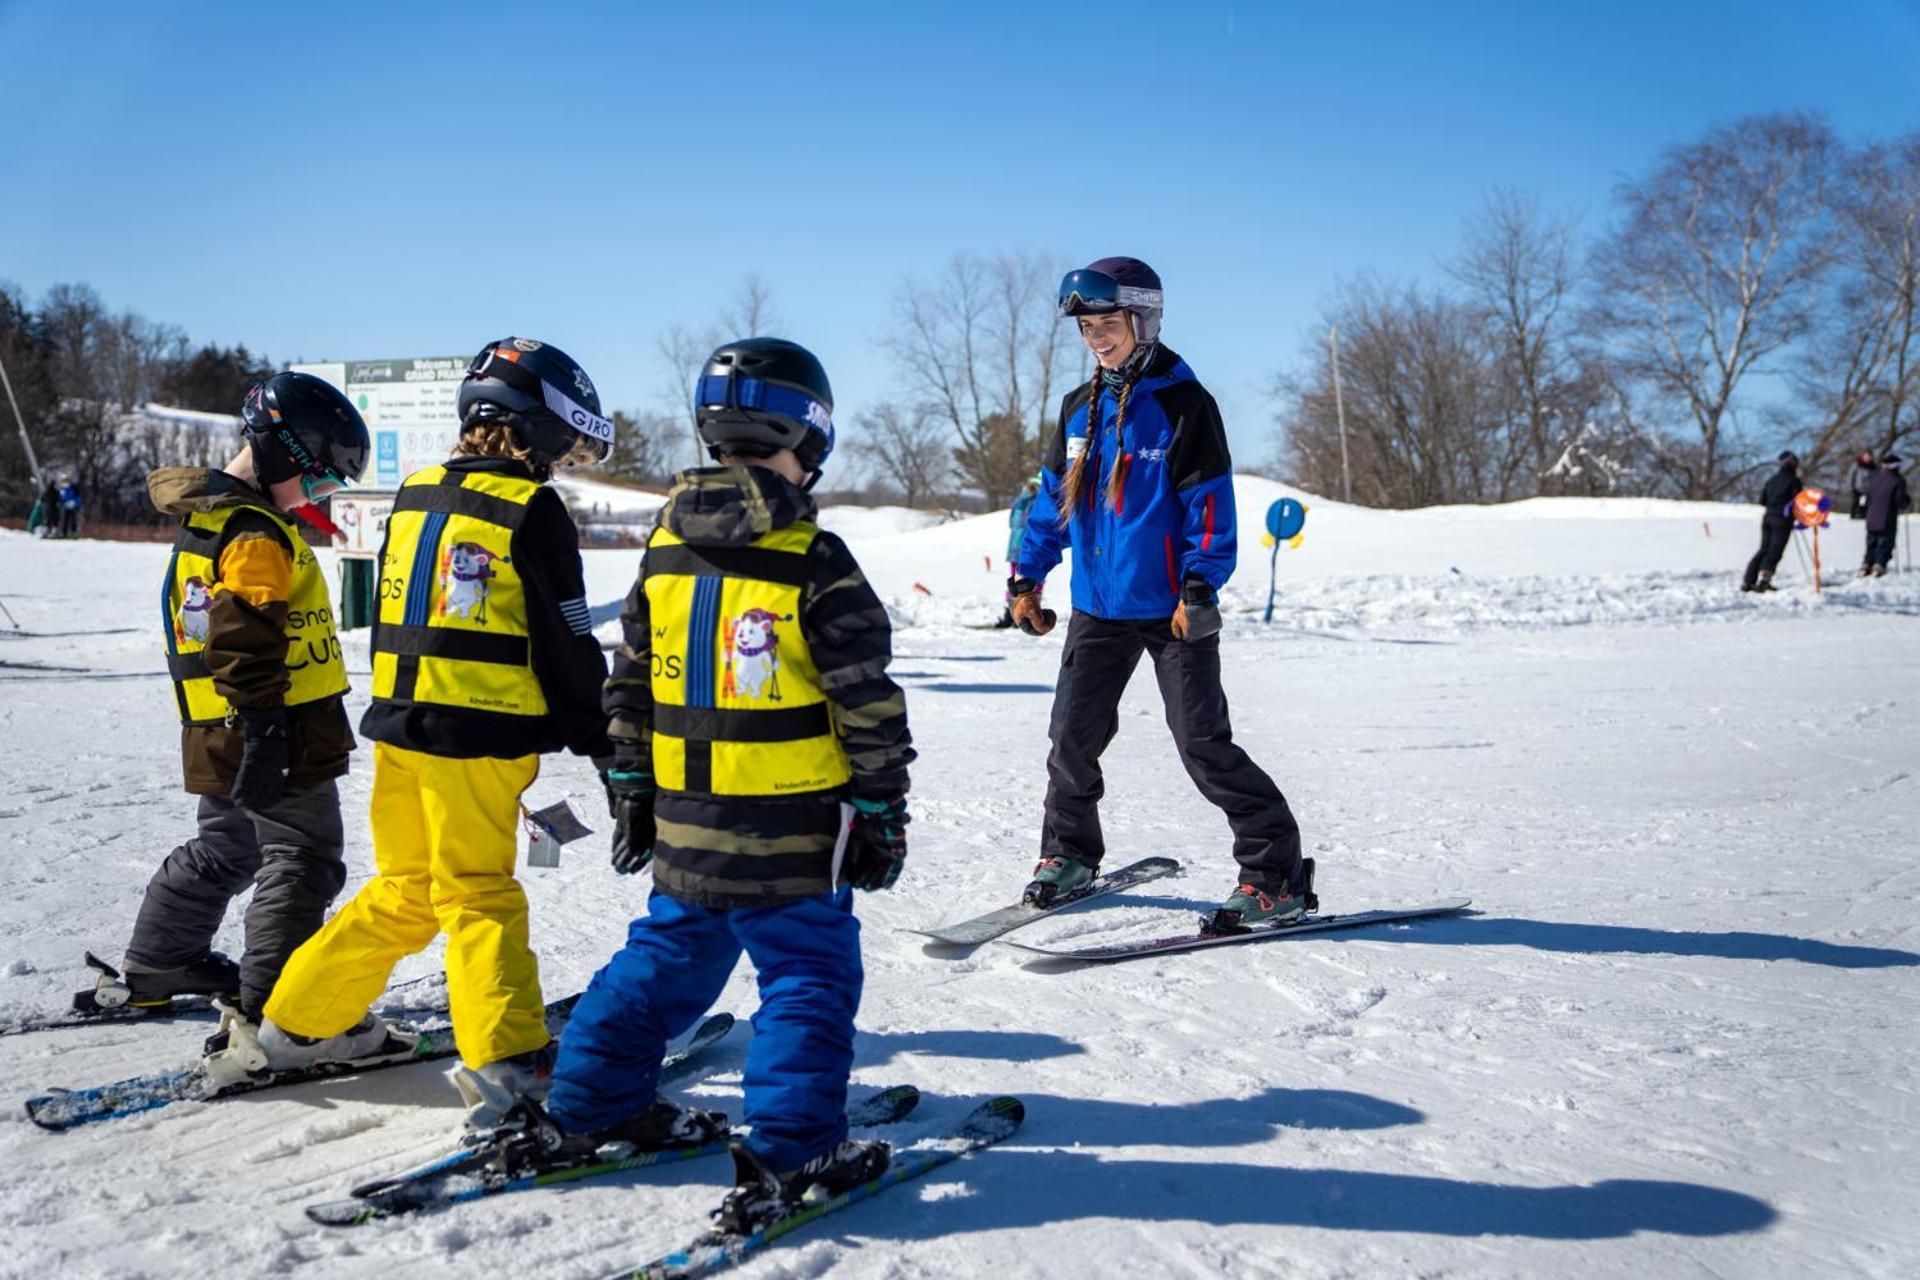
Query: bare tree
[906,447]
[981,345]
[643,446]
[1715,268]
[1517,266]
[1424,392]
[1858,379]
[683,351]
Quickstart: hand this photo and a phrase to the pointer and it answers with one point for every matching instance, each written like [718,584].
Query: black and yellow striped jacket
[752,685]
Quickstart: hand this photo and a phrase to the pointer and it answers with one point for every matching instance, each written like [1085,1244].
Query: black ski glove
[630,801]
[262,776]
[1197,616]
[877,845]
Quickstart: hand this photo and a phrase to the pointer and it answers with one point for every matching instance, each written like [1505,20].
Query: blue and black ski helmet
[756,396]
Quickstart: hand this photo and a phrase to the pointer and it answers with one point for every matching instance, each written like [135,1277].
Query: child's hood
[731,506]
[182,491]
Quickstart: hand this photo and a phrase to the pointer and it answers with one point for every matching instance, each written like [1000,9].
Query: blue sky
[370,181]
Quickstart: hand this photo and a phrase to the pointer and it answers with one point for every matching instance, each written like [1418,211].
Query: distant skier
[736,801]
[70,504]
[1138,481]
[1887,497]
[259,683]
[1776,523]
[483,660]
[1862,471]
[1016,531]
[44,520]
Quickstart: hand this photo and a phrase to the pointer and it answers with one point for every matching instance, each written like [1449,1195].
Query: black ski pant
[290,852]
[1773,544]
[1100,658]
[1880,546]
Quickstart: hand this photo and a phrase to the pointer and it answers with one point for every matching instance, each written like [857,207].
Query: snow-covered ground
[1678,1038]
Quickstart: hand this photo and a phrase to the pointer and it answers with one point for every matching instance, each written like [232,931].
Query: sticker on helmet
[526,344]
[581,381]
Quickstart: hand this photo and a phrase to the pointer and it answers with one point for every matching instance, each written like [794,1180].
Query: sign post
[1810,508]
[411,410]
[1285,520]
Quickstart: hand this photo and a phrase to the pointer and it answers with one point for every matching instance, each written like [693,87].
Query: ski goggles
[727,391]
[1087,292]
[319,488]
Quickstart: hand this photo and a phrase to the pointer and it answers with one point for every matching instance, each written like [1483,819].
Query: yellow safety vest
[737,704]
[313,649]
[452,624]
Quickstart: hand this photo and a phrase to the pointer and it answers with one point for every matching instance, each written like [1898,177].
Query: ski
[63,1109]
[467,1177]
[1257,933]
[427,994]
[969,933]
[991,1122]
[679,1056]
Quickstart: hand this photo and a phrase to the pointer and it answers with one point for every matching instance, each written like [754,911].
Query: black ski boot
[212,975]
[761,1196]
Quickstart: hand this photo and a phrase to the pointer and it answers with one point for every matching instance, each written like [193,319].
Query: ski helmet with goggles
[302,427]
[757,396]
[1116,284]
[544,396]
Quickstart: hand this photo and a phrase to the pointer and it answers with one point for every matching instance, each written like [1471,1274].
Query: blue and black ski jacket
[1175,516]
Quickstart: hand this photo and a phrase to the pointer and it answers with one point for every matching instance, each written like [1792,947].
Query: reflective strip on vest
[452,625]
[314,666]
[737,704]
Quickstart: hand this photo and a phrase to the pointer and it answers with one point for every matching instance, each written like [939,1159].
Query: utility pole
[33,463]
[1340,409]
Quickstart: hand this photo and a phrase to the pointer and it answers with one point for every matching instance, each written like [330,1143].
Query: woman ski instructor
[1138,481]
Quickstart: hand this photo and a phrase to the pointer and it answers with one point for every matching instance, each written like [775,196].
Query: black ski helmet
[544,395]
[1116,284]
[304,427]
[759,395]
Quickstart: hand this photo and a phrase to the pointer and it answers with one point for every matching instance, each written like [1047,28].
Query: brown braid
[1074,482]
[1073,485]
[1119,474]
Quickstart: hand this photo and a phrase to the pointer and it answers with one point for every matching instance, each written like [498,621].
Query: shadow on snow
[1040,1188]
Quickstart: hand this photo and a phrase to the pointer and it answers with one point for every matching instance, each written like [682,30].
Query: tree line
[77,370]
[1757,289]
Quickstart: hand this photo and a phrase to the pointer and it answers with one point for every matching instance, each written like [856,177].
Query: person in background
[69,506]
[44,520]
[1776,523]
[1887,497]
[1863,469]
[1016,530]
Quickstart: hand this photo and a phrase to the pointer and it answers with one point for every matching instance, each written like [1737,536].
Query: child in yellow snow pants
[444,844]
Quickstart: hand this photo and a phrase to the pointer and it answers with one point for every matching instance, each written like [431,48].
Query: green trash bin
[356,593]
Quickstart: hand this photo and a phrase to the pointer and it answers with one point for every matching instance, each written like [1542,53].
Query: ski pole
[15,622]
[1802,553]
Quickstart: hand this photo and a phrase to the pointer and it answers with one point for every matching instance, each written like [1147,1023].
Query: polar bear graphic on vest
[192,622]
[753,656]
[465,571]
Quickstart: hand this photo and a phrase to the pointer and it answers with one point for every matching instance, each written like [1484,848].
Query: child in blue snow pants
[676,962]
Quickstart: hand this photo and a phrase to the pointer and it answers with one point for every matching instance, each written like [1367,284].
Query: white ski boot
[493,1090]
